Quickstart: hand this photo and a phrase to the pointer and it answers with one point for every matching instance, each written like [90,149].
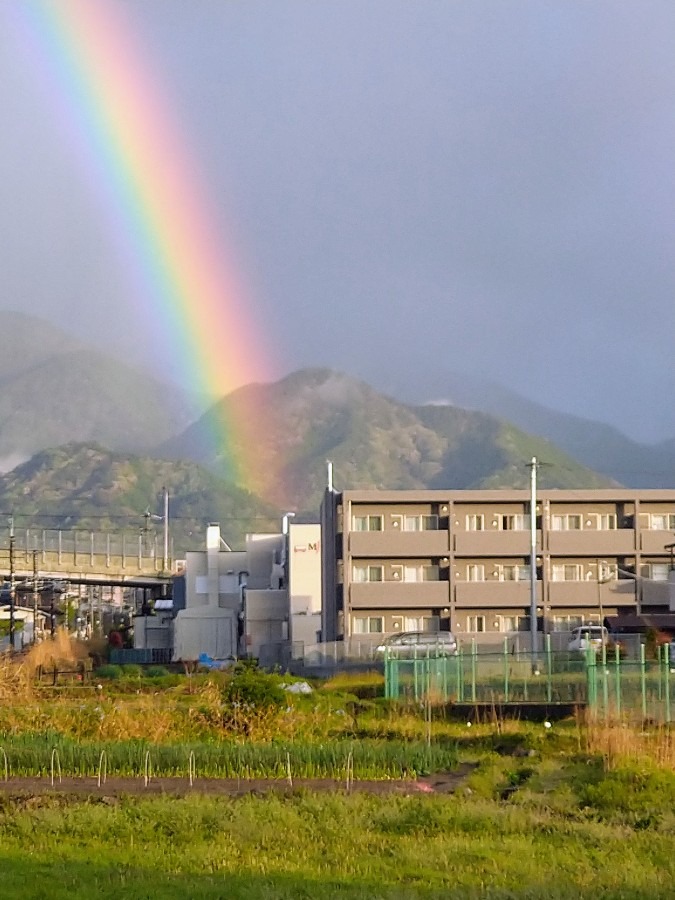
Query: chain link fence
[607,682]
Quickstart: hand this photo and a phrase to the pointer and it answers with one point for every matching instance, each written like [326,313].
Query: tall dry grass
[17,674]
[619,742]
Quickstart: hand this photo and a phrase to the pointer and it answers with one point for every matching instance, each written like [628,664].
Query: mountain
[373,441]
[600,447]
[55,389]
[86,486]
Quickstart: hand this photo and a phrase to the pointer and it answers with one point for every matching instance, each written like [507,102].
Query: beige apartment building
[460,560]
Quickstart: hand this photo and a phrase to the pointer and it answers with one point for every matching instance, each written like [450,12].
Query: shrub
[108,671]
[251,699]
[131,670]
[156,672]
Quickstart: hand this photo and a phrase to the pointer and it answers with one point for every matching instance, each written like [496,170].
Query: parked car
[588,636]
[419,643]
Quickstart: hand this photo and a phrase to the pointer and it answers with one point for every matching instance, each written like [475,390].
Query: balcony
[495,594]
[399,544]
[395,595]
[653,541]
[585,593]
[619,542]
[493,543]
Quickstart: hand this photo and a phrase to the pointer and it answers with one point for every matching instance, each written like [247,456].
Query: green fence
[604,681]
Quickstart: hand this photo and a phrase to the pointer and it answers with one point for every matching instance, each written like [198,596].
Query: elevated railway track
[87,557]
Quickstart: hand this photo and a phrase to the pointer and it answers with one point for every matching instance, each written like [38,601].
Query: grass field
[329,846]
[578,809]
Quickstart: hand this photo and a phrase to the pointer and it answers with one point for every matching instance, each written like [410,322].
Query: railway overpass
[124,559]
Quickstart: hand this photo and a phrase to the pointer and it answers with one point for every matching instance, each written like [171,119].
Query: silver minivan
[586,637]
[419,643]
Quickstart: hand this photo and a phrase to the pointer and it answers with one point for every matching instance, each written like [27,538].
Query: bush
[131,670]
[631,794]
[156,672]
[109,671]
[251,699]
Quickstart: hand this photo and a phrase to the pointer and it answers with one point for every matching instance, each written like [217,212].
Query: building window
[420,623]
[608,572]
[517,522]
[567,623]
[508,623]
[566,522]
[421,573]
[367,523]
[657,571]
[475,572]
[600,521]
[475,522]
[607,522]
[416,523]
[567,572]
[662,521]
[367,624]
[362,574]
[475,623]
[510,572]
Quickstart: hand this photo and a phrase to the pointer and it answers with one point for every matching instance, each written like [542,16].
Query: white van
[586,636]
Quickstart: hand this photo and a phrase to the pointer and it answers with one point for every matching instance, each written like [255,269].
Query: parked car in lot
[419,643]
[586,637]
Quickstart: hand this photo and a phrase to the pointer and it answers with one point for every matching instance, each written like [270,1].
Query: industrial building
[254,602]
[397,561]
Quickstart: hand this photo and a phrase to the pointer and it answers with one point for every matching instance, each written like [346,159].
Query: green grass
[31,754]
[571,811]
[310,846]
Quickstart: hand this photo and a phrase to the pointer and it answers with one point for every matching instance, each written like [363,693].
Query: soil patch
[27,790]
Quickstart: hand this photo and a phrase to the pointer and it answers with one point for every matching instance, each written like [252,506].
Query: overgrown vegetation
[511,809]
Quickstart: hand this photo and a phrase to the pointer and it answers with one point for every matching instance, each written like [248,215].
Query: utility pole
[534,637]
[11,583]
[35,596]
[165,563]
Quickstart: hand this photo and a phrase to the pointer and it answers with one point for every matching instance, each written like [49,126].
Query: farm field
[230,786]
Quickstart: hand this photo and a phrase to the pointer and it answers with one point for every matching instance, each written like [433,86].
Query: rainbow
[137,159]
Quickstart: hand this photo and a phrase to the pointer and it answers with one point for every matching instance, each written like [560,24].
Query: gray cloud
[411,187]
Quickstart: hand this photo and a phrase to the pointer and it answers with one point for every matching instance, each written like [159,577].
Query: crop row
[31,754]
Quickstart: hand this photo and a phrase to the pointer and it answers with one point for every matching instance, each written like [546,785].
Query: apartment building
[460,560]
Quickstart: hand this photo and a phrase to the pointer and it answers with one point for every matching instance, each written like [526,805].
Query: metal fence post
[460,670]
[506,670]
[591,679]
[659,672]
[605,684]
[666,684]
[473,670]
[549,669]
[643,680]
[617,678]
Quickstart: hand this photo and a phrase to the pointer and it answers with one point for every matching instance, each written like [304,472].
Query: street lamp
[604,576]
[165,519]
[284,521]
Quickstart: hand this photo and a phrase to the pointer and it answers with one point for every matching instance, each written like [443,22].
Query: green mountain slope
[593,444]
[86,486]
[373,442]
[54,390]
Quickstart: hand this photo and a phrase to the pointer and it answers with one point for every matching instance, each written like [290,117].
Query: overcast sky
[409,187]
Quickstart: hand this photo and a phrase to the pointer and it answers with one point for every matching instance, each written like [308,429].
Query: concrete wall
[266,619]
[205,630]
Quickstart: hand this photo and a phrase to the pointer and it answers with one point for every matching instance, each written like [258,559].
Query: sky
[404,188]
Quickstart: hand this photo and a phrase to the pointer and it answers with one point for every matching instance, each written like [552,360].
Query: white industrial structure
[254,602]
